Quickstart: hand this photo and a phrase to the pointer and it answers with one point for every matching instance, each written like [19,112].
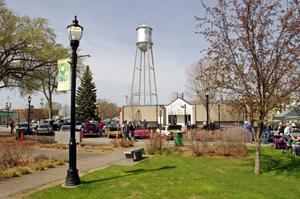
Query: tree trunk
[257,157]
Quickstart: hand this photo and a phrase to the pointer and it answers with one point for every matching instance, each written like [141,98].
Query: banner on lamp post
[64,75]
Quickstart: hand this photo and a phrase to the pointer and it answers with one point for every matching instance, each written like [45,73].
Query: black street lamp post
[75,34]
[28,122]
[8,106]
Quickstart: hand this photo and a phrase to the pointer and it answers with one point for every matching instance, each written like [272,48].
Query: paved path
[86,161]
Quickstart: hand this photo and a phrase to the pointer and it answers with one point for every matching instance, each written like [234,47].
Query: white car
[169,130]
[43,128]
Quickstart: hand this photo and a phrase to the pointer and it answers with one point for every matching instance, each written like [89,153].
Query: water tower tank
[144,41]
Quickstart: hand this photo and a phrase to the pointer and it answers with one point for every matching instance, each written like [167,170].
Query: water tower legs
[143,88]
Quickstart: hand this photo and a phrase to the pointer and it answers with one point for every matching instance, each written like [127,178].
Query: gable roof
[179,98]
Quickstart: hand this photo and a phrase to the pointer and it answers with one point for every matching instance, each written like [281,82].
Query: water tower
[143,88]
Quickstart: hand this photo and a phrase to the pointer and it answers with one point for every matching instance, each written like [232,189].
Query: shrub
[225,143]
[15,174]
[50,166]
[200,145]
[15,153]
[155,143]
[115,143]
[24,171]
[198,148]
[40,157]
[126,143]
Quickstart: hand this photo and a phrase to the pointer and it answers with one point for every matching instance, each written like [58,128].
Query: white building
[180,112]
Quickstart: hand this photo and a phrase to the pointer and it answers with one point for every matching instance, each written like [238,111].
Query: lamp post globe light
[75,33]
[28,122]
[8,106]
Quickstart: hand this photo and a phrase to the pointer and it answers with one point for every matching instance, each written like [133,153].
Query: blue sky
[110,37]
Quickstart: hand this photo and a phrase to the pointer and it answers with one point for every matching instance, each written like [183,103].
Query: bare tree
[254,47]
[107,109]
[200,82]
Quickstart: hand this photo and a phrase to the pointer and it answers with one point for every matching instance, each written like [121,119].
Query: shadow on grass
[129,173]
[288,165]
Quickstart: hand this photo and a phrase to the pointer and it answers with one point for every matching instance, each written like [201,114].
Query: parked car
[211,126]
[24,128]
[90,129]
[44,128]
[65,126]
[142,133]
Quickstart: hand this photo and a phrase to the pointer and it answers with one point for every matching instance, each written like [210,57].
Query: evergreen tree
[86,97]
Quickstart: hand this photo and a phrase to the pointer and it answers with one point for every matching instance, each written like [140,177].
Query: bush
[40,158]
[115,143]
[219,143]
[198,148]
[126,143]
[24,171]
[15,154]
[155,143]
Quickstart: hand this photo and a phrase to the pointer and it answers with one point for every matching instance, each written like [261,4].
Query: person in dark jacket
[12,126]
[125,129]
[131,131]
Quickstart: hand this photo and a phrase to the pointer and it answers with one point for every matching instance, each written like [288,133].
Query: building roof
[179,98]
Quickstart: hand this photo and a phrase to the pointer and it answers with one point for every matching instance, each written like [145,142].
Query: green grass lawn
[191,178]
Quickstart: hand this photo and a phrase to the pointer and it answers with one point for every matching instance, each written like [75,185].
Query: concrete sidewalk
[14,187]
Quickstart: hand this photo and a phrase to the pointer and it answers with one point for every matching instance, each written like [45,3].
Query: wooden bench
[135,154]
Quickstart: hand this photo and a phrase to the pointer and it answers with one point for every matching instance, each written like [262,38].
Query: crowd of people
[128,129]
[283,131]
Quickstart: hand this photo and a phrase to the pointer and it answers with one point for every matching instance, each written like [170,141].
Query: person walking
[287,134]
[100,127]
[125,130]
[131,131]
[12,126]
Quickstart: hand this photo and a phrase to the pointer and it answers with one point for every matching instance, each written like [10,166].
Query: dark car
[211,126]
[23,127]
[65,126]
[90,129]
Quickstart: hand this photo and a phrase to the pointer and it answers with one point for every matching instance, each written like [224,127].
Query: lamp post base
[72,178]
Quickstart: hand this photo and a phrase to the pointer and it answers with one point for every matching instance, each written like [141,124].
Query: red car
[90,129]
[142,133]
